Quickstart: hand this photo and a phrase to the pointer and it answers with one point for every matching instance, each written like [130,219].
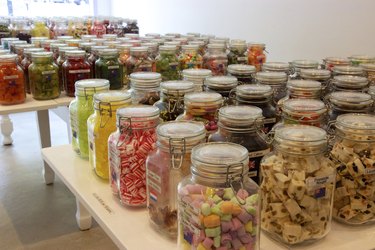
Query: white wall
[291,29]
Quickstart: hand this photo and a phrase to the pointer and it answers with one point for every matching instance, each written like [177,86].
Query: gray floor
[32,214]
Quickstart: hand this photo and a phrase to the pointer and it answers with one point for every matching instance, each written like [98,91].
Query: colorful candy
[216,59]
[167,63]
[256,56]
[12,88]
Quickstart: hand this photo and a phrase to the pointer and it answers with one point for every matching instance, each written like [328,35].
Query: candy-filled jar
[100,125]
[277,67]
[297,186]
[12,45]
[166,166]
[348,71]
[203,107]
[75,68]
[349,83]
[297,65]
[43,76]
[21,30]
[171,103]
[353,153]
[80,109]
[277,81]
[242,125]
[39,29]
[25,63]
[167,63]
[131,27]
[4,28]
[12,85]
[60,29]
[359,59]
[54,48]
[128,148]
[369,69]
[331,62]
[190,58]
[108,67]
[5,42]
[145,87]
[98,28]
[94,55]
[321,75]
[153,49]
[223,196]
[222,85]
[139,60]
[197,76]
[245,74]
[237,52]
[260,96]
[256,56]
[201,46]
[216,59]
[19,50]
[60,61]
[86,46]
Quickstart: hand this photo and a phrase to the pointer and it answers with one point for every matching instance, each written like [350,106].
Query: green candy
[205,208]
[250,209]
[217,241]
[213,232]
[228,194]
[216,210]
[216,198]
[252,199]
[226,217]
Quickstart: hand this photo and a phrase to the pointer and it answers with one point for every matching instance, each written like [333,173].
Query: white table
[130,229]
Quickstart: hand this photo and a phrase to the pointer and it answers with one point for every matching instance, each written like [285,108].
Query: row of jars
[25,28]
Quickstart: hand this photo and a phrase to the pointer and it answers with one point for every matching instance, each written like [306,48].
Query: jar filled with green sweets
[171,103]
[43,76]
[222,85]
[237,52]
[245,74]
[297,65]
[108,67]
[145,87]
[80,109]
[25,63]
[94,55]
[167,63]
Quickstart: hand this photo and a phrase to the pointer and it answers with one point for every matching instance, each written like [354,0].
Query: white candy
[296,189]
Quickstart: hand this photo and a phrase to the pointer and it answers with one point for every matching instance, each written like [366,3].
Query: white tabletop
[29,105]
[130,229]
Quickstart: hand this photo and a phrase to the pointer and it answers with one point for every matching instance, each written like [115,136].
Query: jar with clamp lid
[98,28]
[221,195]
[128,148]
[19,50]
[201,46]
[321,75]
[60,28]
[60,61]
[359,59]
[54,48]
[197,76]
[109,67]
[100,125]
[4,28]
[331,62]
[12,45]
[153,49]
[5,41]
[94,56]
[216,59]
[190,58]
[86,46]
[39,29]
[237,52]
[171,103]
[21,29]
[12,85]
[167,63]
[260,96]
[277,81]
[369,69]
[349,83]
[242,125]
[145,87]
[222,85]
[277,67]
[138,61]
[80,109]
[256,56]
[348,71]
[343,102]
[245,74]
[166,166]
[25,63]
[297,186]
[297,65]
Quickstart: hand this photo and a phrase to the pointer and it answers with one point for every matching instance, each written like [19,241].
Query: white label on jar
[269,120]
[369,171]
[113,67]
[259,153]
[78,71]
[10,77]
[154,186]
[154,176]
[317,185]
[242,58]
[50,72]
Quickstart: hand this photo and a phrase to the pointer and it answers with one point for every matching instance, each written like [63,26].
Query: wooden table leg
[6,129]
[83,217]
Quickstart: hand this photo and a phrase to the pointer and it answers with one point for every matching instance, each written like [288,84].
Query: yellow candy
[249,227]
[201,247]
[226,207]
[210,192]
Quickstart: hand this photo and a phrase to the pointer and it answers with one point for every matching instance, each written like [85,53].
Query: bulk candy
[12,88]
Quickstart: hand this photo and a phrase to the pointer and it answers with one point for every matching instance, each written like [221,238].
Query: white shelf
[130,229]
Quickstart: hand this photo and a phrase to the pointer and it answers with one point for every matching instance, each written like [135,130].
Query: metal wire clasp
[232,179]
[177,149]
[124,129]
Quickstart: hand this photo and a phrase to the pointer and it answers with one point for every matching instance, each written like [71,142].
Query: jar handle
[128,129]
[232,179]
[331,128]
[232,95]
[177,157]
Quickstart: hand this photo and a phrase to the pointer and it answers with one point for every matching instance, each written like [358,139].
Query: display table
[130,229]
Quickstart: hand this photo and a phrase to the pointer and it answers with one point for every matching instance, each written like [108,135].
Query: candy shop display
[321,75]
[94,55]
[349,83]
[171,103]
[202,107]
[43,76]
[39,29]
[99,127]
[298,65]
[80,109]
[218,204]
[21,30]
[167,63]
[108,67]
[145,87]
[359,59]
[98,29]
[75,68]
[369,69]
[197,76]
[256,56]
[297,186]
[348,71]
[12,86]
[5,42]
[12,45]
[277,67]
[166,166]
[353,152]
[4,28]
[331,62]
[216,59]
[343,102]
[60,61]
[242,125]
[128,148]
[25,63]
[245,74]
[222,85]
[237,52]
[190,58]
[277,80]
[139,60]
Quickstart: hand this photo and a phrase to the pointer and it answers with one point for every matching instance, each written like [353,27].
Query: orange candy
[12,86]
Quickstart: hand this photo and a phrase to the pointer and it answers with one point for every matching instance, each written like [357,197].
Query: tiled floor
[32,214]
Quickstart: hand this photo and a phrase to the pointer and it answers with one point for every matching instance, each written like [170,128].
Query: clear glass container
[128,148]
[19,49]
[60,29]
[54,48]
[321,75]
[153,49]
[5,42]
[201,46]
[100,125]
[197,76]
[145,87]
[237,52]
[216,59]
[221,195]
[277,67]
[110,36]
[350,83]
[167,63]
[4,28]
[73,42]
[222,85]
[245,74]
[98,41]
[359,59]
[109,67]
[277,81]
[175,44]
[297,65]
[256,55]
[331,62]
[80,109]
[371,91]
[132,27]
[12,45]
[166,166]
[12,85]
[94,56]
[353,153]
[39,29]
[190,58]
[98,29]
[348,70]
[25,63]
[46,44]
[88,38]
[86,46]
[115,28]
[171,103]
[21,29]
[62,39]
[138,61]
[369,69]
[111,44]
[297,186]
[60,61]
[43,76]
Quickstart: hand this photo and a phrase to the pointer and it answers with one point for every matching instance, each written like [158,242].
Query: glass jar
[109,36]
[25,63]
[108,67]
[201,46]
[343,102]
[277,81]
[55,50]
[260,96]
[73,42]
[174,44]
[4,51]
[86,46]
[75,68]
[46,44]
[115,28]
[222,85]
[111,44]
[88,38]
[242,125]
[5,42]
[21,30]
[19,49]
[197,76]
[167,63]
[131,27]
[190,58]
[59,62]
[62,39]
[369,69]
[202,107]
[277,67]
[353,154]
[12,86]
[139,60]
[331,62]
[171,103]
[220,193]
[359,59]
[145,87]
[321,75]
[128,148]
[245,74]
[100,125]
[350,83]
[43,76]
[297,65]
[4,28]
[348,70]
[60,29]
[98,41]
[216,59]
[94,56]
[80,109]
[297,186]
[37,40]
[153,49]
[237,52]
[98,28]
[166,166]
[39,29]
[304,89]
[12,45]
[256,56]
